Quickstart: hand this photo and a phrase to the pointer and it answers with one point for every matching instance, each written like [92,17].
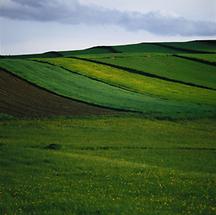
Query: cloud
[73,12]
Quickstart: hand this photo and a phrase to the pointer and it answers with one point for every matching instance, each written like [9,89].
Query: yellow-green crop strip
[164,65]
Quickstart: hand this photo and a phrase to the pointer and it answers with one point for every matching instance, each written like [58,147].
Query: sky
[35,26]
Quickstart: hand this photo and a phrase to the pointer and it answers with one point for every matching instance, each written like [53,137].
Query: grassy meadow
[109,130]
[103,166]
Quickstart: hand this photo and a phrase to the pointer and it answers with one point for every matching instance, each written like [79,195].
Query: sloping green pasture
[160,161]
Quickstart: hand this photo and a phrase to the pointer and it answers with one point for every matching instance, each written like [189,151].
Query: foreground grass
[116,165]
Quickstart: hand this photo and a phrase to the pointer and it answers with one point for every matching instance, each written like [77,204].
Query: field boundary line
[195,60]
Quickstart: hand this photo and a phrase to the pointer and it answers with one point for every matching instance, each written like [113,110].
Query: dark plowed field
[20,98]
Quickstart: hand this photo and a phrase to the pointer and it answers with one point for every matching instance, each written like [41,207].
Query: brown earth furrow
[20,98]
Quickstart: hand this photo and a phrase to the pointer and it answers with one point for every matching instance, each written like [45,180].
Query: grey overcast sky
[31,26]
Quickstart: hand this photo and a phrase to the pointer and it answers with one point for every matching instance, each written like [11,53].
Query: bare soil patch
[20,98]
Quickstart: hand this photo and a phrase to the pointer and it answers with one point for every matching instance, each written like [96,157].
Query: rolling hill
[112,93]
[127,129]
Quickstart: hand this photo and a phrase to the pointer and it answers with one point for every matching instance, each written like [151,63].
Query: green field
[136,82]
[109,130]
[104,166]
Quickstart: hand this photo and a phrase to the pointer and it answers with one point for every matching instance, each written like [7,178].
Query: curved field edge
[76,86]
[22,99]
[134,82]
